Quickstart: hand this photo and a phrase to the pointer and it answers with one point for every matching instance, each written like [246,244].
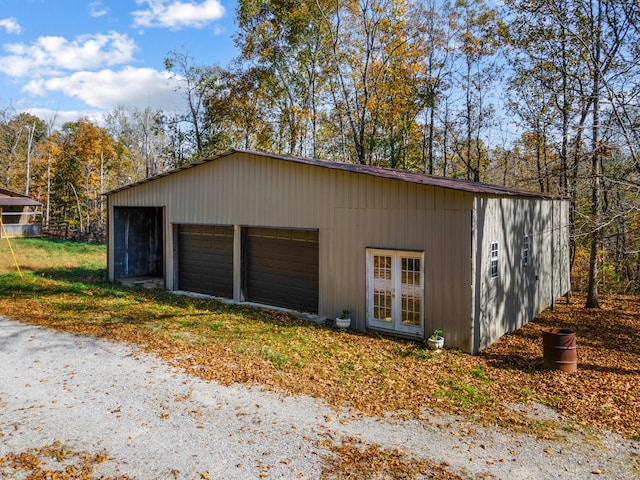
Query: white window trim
[396,325]
[526,250]
[494,259]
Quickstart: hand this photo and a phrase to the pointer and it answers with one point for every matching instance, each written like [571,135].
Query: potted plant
[344,320]
[436,340]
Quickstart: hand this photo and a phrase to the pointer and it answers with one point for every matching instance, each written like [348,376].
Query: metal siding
[352,211]
[353,194]
[110,241]
[447,276]
[520,292]
[390,194]
[564,250]
[375,194]
[362,194]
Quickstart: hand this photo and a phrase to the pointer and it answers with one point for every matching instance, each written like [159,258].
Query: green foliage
[460,392]
[424,354]
[276,358]
[543,428]
[436,333]
[527,393]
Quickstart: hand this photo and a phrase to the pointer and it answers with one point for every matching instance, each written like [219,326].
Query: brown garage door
[281,267]
[205,259]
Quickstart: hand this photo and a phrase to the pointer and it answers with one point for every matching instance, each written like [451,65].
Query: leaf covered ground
[52,462]
[366,372]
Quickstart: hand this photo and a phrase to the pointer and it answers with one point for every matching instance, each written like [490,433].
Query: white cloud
[96,9]
[50,55]
[10,25]
[57,118]
[175,14]
[135,87]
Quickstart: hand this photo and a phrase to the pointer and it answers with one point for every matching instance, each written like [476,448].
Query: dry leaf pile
[52,462]
[605,391]
[355,461]
[369,373]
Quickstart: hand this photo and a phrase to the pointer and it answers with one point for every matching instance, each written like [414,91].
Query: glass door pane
[411,307]
[395,291]
[382,289]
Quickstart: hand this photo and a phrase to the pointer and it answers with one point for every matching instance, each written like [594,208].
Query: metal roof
[391,173]
[18,201]
[9,198]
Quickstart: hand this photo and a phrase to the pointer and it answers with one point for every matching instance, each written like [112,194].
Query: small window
[494,260]
[525,250]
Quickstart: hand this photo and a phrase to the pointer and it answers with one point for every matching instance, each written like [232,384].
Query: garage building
[405,252]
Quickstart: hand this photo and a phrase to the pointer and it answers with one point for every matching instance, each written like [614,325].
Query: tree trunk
[596,234]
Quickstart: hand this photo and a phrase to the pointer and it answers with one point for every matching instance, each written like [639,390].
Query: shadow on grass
[514,361]
[75,275]
[91,286]
[603,338]
[54,282]
[531,365]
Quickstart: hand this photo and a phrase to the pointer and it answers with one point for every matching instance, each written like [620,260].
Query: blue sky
[72,58]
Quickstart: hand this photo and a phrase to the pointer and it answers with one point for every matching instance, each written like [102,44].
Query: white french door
[395,291]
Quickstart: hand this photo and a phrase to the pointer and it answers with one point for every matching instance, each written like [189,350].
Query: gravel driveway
[156,422]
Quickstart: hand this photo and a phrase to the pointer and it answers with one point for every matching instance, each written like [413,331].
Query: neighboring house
[405,252]
[21,215]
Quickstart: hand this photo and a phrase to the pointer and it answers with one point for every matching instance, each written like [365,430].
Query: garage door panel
[281,268]
[205,259]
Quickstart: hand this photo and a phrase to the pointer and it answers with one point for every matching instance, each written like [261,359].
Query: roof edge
[11,198]
[390,173]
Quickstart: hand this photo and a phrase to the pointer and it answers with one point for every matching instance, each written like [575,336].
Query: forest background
[534,94]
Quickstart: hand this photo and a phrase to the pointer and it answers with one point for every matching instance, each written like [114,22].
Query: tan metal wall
[520,292]
[352,212]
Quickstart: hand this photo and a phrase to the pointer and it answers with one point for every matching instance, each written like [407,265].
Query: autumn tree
[141,141]
[438,38]
[249,127]
[579,54]
[80,174]
[195,83]
[477,36]
[48,149]
[282,38]
[20,132]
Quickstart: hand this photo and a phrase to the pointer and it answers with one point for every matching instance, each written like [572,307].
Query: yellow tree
[369,51]
[80,174]
[477,44]
[282,40]
[19,134]
[47,150]
[401,94]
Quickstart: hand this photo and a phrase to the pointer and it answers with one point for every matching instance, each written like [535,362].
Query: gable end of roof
[393,174]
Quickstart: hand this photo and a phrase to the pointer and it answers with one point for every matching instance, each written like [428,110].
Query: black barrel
[559,350]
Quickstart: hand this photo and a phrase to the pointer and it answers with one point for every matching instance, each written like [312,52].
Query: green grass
[463,393]
[65,287]
[276,358]
[66,282]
